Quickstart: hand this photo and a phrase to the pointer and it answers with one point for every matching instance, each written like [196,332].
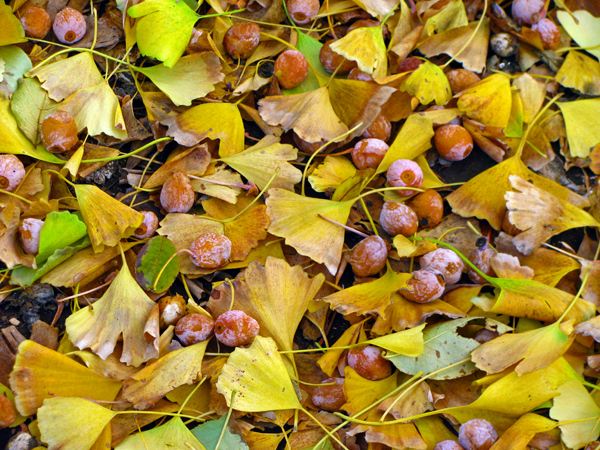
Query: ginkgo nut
[69,26]
[477,434]
[29,235]
[369,363]
[12,172]
[194,328]
[210,250]
[235,328]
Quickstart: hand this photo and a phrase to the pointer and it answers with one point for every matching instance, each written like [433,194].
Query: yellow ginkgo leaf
[488,101]
[192,77]
[259,162]
[329,361]
[72,423]
[260,294]
[453,15]
[107,220]
[333,172]
[154,381]
[209,120]
[296,218]
[193,161]
[583,28]
[540,215]
[508,266]
[580,72]
[365,46]
[39,373]
[259,377]
[377,8]
[550,266]
[123,310]
[408,342]
[173,435]
[428,83]
[576,404]
[532,350]
[365,298]
[110,367]
[518,436]
[211,184]
[451,42]
[361,393]
[532,95]
[583,130]
[12,30]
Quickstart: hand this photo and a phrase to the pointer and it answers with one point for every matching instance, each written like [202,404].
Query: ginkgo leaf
[451,42]
[260,296]
[192,77]
[110,367]
[580,72]
[377,8]
[209,120]
[216,189]
[365,46]
[193,161]
[583,28]
[453,15]
[16,64]
[259,162]
[365,298]
[488,101]
[532,95]
[12,30]
[209,434]
[259,377]
[329,361]
[39,373]
[30,105]
[107,220]
[361,393]
[575,403]
[550,266]
[428,83]
[310,48]
[507,266]
[540,215]
[333,172]
[413,139]
[475,199]
[520,434]
[163,28]
[532,350]
[154,381]
[408,342]
[72,423]
[583,131]
[296,218]
[173,435]
[123,310]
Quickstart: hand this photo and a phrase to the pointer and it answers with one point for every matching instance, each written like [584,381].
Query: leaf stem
[579,292]
[375,191]
[163,268]
[127,155]
[222,435]
[12,194]
[464,47]
[260,194]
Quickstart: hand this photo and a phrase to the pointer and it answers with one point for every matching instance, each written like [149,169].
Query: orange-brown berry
[194,328]
[381,128]
[453,142]
[331,60]
[211,250]
[425,286]
[397,218]
[369,153]
[329,398]
[548,32]
[482,259]
[369,362]
[148,226]
[368,257]
[12,172]
[59,132]
[405,173]
[444,261]
[302,11]
[69,26]
[36,22]
[29,235]
[241,40]
[171,310]
[461,79]
[477,434]
[234,328]
[177,194]
[291,69]
[428,206]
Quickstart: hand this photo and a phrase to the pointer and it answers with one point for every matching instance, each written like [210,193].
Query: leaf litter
[275,245]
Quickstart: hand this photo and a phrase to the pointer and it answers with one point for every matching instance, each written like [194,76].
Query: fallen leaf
[488,101]
[333,172]
[583,131]
[172,435]
[30,106]
[428,83]
[518,436]
[365,46]
[193,161]
[583,28]
[580,72]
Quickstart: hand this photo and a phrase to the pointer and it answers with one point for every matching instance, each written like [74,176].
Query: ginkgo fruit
[445,261]
[481,258]
[405,173]
[425,286]
[331,61]
[171,309]
[241,40]
[12,172]
[194,328]
[549,33]
[69,26]
[330,396]
[29,235]
[369,153]
[398,219]
[36,22]
[368,257]
[477,434]
[177,194]
[428,206]
[148,227]
[369,363]
[211,250]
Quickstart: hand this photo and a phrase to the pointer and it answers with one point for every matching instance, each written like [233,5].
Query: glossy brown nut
[445,261]
[425,286]
[331,60]
[177,194]
[481,258]
[311,147]
[484,335]
[235,328]
[36,22]
[453,142]
[508,227]
[194,328]
[409,64]
[291,69]
[428,206]
[368,257]
[330,398]
[477,434]
[358,75]
[362,23]
[397,218]
[368,153]
[369,363]
[210,251]
[59,132]
[461,79]
[380,129]
[241,40]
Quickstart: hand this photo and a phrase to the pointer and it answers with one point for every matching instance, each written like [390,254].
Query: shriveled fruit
[329,398]
[368,256]
[211,250]
[69,26]
[428,206]
[548,32]
[12,172]
[235,328]
[397,218]
[171,310]
[369,363]
[425,286]
[405,173]
[7,412]
[369,153]
[448,445]
[302,11]
[453,142]
[409,64]
[194,328]
[461,79]
[528,11]
[148,226]
[444,261]
[359,75]
[36,22]
[241,40]
[381,128]
[291,69]
[29,235]
[177,194]
[59,132]
[482,258]
[311,147]
[477,434]
[331,60]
